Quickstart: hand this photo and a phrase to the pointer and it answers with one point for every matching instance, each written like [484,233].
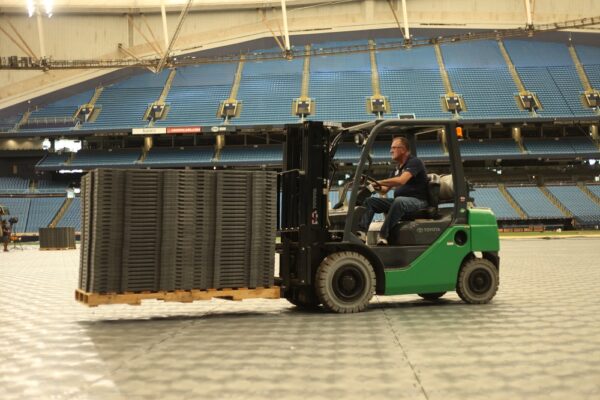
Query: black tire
[345,282]
[478,281]
[304,298]
[432,296]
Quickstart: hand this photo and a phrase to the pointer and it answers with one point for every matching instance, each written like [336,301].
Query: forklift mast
[303,201]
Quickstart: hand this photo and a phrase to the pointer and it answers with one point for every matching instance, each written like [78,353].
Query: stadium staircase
[512,201]
[589,193]
[446,78]
[556,202]
[97,92]
[161,100]
[61,212]
[24,119]
[517,80]
[375,85]
[585,82]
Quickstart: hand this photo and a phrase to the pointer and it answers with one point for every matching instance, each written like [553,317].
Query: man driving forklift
[409,181]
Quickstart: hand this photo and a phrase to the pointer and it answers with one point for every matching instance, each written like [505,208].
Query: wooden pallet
[182,296]
[57,248]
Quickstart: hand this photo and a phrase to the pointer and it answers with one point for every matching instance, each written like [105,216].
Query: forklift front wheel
[345,282]
[477,281]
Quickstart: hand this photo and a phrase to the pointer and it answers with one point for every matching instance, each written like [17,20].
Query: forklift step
[181,296]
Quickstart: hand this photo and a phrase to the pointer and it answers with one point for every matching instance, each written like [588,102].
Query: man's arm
[395,181]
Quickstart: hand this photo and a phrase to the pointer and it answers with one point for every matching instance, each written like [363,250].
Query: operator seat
[424,226]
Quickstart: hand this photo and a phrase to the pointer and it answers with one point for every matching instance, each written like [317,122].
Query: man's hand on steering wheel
[368,180]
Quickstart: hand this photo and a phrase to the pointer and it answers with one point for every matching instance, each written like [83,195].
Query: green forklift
[448,246]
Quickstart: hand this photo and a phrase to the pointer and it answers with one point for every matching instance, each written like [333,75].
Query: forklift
[435,251]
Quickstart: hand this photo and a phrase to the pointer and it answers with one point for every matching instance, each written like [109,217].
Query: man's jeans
[395,209]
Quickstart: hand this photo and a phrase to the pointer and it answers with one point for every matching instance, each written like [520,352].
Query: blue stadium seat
[125,103]
[534,203]
[8,123]
[340,86]
[483,54]
[18,207]
[13,185]
[179,157]
[347,153]
[570,86]
[72,216]
[578,203]
[42,211]
[537,54]
[492,198]
[46,186]
[53,161]
[497,148]
[267,90]
[257,155]
[569,146]
[196,93]
[595,189]
[62,109]
[88,159]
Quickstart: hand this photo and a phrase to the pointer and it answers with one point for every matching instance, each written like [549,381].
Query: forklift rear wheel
[345,282]
[477,281]
[304,298]
[432,296]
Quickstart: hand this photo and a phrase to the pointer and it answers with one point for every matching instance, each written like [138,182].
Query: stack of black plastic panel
[150,230]
[57,238]
[104,214]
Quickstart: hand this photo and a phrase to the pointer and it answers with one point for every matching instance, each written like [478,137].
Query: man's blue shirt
[417,185]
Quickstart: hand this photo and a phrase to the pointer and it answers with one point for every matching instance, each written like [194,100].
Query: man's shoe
[362,236]
[382,242]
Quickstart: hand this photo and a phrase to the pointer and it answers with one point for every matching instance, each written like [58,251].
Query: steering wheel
[369,179]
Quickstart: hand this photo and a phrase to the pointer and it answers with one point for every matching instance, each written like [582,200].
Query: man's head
[400,149]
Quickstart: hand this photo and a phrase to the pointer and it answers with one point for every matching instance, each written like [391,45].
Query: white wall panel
[95,36]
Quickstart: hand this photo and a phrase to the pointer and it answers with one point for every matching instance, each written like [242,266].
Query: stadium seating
[267,90]
[41,212]
[340,87]
[196,93]
[53,161]
[583,208]
[430,150]
[8,123]
[534,203]
[179,156]
[593,73]
[595,189]
[57,113]
[491,197]
[347,153]
[498,148]
[478,72]
[72,216]
[18,207]
[88,159]
[45,186]
[567,147]
[568,82]
[125,103]
[412,82]
[257,155]
[13,185]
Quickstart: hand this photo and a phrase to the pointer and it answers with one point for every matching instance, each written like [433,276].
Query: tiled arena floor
[538,339]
